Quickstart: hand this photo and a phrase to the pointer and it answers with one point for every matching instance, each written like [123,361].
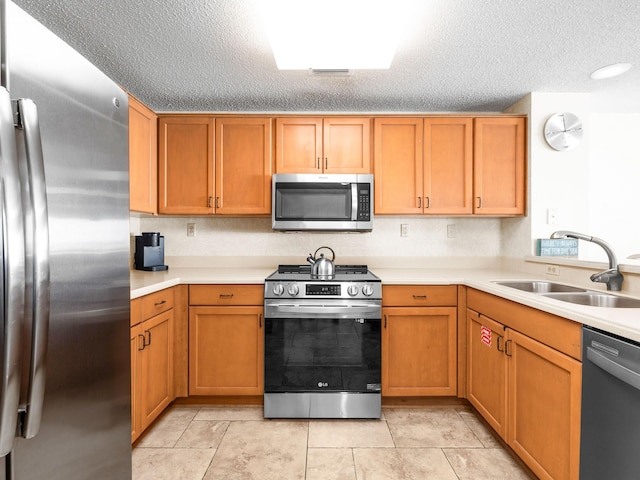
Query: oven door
[328,349]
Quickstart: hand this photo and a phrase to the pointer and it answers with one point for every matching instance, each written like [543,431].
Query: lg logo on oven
[322,384]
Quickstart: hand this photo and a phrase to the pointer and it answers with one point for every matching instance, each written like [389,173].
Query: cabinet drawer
[419,295]
[226,294]
[156,303]
[136,311]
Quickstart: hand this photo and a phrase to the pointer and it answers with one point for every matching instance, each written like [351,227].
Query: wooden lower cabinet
[151,362]
[544,408]
[487,370]
[226,345]
[419,341]
[526,390]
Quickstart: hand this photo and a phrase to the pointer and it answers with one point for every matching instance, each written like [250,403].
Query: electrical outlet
[191,229]
[404,229]
[553,269]
[451,231]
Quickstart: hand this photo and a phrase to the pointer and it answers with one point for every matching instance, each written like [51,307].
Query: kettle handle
[333,254]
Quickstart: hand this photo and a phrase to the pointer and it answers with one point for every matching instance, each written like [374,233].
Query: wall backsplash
[223,236]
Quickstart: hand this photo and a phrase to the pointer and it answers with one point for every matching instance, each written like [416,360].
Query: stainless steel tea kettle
[322,267]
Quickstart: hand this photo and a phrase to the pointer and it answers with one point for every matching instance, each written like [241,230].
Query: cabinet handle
[419,297]
[157,304]
[226,295]
[385,321]
[427,202]
[210,202]
[217,202]
[144,344]
[260,321]
[479,202]
[419,202]
[498,345]
[326,163]
[506,348]
[318,163]
[149,342]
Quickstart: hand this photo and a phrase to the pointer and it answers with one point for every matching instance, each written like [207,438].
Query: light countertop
[620,321]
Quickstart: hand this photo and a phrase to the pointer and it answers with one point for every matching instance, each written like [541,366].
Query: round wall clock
[563,131]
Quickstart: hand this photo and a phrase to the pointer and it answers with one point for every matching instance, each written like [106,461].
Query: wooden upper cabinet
[143,158]
[298,145]
[499,166]
[398,167]
[243,165]
[347,145]
[185,161]
[448,165]
[329,145]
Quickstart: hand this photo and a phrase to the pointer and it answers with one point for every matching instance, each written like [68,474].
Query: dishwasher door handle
[621,372]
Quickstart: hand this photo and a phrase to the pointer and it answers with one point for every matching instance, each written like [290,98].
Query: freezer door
[85,430]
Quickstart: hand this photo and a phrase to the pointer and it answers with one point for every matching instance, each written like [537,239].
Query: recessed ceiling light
[610,71]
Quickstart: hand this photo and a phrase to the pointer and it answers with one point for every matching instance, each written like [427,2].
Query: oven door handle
[322,311]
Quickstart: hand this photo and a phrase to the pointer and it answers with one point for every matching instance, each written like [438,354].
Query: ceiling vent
[330,72]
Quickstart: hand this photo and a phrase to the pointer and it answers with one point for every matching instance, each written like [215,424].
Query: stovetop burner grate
[342,269]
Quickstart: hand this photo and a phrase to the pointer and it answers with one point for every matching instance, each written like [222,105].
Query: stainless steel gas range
[322,343]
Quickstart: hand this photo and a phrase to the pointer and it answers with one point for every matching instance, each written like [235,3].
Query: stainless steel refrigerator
[64,196]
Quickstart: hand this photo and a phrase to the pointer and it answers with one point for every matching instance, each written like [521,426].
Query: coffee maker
[149,254]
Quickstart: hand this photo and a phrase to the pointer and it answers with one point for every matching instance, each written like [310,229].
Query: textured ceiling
[457,55]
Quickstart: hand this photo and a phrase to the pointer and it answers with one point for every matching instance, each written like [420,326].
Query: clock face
[563,131]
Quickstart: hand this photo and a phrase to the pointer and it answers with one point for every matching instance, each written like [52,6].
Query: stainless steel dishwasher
[610,431]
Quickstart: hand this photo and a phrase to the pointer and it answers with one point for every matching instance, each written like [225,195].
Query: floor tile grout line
[306,456]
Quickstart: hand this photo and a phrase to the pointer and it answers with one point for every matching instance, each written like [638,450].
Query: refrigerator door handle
[14,275]
[4,68]
[27,120]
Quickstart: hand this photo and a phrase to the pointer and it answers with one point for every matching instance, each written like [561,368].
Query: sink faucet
[611,277]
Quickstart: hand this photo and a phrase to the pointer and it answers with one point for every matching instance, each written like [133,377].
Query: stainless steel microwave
[338,202]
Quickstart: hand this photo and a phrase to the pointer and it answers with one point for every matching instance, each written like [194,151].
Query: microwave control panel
[364,202]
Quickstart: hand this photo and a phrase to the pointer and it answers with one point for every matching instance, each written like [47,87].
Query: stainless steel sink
[540,286]
[576,295]
[595,299]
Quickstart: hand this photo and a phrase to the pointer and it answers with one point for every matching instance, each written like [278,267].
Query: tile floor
[207,443]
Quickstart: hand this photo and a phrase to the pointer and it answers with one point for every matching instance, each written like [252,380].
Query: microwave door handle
[354,202]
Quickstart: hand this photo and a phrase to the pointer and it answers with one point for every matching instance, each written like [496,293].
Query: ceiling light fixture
[334,34]
[610,71]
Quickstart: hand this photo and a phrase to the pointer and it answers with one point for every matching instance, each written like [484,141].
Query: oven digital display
[323,289]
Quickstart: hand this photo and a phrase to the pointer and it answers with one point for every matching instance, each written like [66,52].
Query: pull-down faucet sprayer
[611,277]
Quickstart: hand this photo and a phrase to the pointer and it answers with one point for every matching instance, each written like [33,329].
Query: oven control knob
[293,289]
[367,290]
[352,290]
[278,289]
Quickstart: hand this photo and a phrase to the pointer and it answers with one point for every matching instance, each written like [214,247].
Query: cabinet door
[499,166]
[544,408]
[419,351]
[143,158]
[225,351]
[448,166]
[397,156]
[487,370]
[243,165]
[156,367]
[347,145]
[185,173]
[136,347]
[298,145]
